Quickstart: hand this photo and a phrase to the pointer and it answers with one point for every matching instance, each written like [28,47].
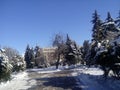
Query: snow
[108,23]
[49,71]
[86,78]
[93,71]
[74,74]
[92,79]
[45,70]
[19,63]
[99,45]
[118,29]
[52,69]
[19,82]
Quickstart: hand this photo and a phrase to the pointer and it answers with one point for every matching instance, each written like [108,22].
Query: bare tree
[59,42]
[10,52]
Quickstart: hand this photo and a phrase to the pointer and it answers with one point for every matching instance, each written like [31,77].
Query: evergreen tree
[72,52]
[68,40]
[26,56]
[110,24]
[110,28]
[104,50]
[109,18]
[68,51]
[5,67]
[29,57]
[18,63]
[85,48]
[97,28]
[118,21]
[104,54]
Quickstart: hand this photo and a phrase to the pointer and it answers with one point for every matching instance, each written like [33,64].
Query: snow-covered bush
[18,63]
[15,59]
[5,66]
[108,56]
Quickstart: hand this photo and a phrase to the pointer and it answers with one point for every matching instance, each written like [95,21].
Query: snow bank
[49,71]
[19,82]
[52,69]
[92,79]
[93,71]
[45,70]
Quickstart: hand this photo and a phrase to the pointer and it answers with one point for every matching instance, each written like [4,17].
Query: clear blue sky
[34,22]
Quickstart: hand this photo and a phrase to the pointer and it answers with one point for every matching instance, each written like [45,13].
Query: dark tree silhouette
[29,57]
[97,27]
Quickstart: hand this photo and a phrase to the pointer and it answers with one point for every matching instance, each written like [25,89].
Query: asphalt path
[62,80]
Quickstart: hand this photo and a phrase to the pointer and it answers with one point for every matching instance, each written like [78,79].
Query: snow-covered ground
[92,79]
[19,82]
[52,69]
[86,78]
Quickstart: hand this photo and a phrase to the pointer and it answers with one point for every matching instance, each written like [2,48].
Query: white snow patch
[74,74]
[109,23]
[92,79]
[46,70]
[93,71]
[50,71]
[19,82]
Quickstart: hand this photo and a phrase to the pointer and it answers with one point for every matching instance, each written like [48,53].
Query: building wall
[49,54]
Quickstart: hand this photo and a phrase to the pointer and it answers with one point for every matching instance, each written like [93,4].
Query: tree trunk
[57,63]
[58,60]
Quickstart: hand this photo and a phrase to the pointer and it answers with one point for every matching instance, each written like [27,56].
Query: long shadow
[57,83]
[60,82]
[71,82]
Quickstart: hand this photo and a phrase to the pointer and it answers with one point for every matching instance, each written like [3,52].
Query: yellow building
[49,54]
